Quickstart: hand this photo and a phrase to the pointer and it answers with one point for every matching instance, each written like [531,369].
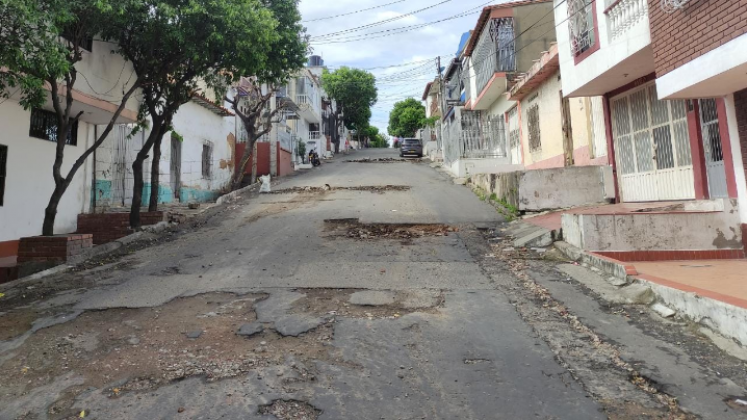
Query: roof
[485,16]
[542,70]
[463,42]
[211,106]
[427,90]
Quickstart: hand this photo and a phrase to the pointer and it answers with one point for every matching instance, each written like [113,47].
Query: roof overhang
[542,70]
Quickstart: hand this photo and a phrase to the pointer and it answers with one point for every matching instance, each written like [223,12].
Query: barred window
[3,170]
[533,125]
[207,159]
[44,126]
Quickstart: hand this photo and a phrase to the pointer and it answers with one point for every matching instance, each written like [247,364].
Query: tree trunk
[254,162]
[137,191]
[50,213]
[238,177]
[155,181]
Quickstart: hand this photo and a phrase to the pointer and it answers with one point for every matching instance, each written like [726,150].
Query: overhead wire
[353,12]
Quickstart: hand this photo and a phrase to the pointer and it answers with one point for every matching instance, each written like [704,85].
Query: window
[582,28]
[3,170]
[533,126]
[44,126]
[207,160]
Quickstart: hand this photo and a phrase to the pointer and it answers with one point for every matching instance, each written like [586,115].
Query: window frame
[534,146]
[207,161]
[582,55]
[42,133]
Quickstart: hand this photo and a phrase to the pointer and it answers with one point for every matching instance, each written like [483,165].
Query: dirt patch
[17,322]
[336,302]
[290,410]
[134,350]
[352,228]
[379,189]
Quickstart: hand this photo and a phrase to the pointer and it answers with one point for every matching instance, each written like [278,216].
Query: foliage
[355,92]
[301,148]
[41,41]
[431,122]
[406,118]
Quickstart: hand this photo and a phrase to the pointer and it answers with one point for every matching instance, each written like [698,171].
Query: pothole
[290,410]
[352,228]
[382,160]
[350,303]
[320,190]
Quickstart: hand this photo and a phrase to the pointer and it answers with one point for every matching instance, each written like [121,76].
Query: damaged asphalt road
[335,303]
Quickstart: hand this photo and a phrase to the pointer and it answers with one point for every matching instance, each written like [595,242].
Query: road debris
[290,410]
[380,189]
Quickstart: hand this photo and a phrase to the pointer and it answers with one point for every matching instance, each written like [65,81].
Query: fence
[474,135]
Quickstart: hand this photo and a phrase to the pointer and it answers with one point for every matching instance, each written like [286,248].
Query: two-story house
[668,85]
[504,44]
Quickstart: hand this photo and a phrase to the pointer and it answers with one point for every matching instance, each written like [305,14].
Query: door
[714,156]
[175,167]
[514,136]
[652,143]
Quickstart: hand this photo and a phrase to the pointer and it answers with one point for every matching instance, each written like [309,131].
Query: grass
[508,210]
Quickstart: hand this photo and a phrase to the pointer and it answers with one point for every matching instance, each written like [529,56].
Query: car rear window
[412,142]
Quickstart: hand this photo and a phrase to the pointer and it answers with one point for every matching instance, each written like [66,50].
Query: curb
[723,314]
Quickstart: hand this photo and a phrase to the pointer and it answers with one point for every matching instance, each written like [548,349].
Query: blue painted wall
[194,195]
[165,194]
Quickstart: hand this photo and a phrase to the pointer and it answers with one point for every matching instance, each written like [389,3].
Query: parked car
[411,147]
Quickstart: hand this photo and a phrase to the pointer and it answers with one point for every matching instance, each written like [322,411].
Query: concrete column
[738,158]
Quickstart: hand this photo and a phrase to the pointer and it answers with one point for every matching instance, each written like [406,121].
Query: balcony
[493,57]
[606,45]
[308,108]
[315,135]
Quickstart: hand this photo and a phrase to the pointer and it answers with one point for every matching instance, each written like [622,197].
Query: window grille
[3,170]
[44,126]
[207,159]
[533,125]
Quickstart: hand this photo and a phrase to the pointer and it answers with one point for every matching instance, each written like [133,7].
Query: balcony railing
[623,14]
[314,135]
[495,51]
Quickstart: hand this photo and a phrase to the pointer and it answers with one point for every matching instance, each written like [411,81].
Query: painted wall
[736,114]
[105,75]
[197,126]
[29,182]
[547,97]
[583,79]
[534,22]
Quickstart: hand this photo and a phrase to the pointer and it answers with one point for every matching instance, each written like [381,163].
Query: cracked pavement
[345,303]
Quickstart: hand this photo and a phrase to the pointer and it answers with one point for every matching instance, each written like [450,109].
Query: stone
[134,341]
[663,310]
[616,281]
[249,330]
[293,326]
[638,294]
[372,298]
[194,334]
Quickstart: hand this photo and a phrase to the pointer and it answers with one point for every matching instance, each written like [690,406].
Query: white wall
[583,79]
[105,75]
[731,116]
[29,183]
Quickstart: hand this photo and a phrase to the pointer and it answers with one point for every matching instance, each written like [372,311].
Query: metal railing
[308,102]
[315,135]
[495,51]
[623,14]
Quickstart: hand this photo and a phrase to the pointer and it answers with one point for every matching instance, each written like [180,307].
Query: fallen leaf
[82,414]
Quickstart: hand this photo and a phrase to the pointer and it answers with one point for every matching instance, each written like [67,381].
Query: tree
[41,41]
[406,118]
[289,51]
[355,92]
[182,47]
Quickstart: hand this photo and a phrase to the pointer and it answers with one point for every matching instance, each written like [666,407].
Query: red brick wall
[108,227]
[52,248]
[285,164]
[699,27]
[263,162]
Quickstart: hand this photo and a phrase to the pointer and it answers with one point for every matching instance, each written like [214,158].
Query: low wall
[549,189]
[559,188]
[705,231]
[285,162]
[462,168]
[108,227]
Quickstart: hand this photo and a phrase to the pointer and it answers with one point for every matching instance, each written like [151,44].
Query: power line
[395,31]
[353,12]
[382,22]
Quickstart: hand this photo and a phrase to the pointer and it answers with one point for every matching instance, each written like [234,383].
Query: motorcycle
[314,158]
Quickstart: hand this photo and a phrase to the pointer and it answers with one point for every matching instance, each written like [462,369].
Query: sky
[412,50]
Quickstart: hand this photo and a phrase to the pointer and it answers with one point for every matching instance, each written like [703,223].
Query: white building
[27,154]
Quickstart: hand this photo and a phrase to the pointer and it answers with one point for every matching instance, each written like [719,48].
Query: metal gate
[714,156]
[652,143]
[514,136]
